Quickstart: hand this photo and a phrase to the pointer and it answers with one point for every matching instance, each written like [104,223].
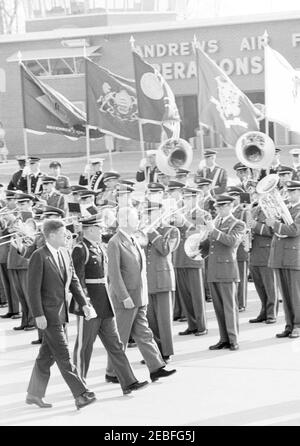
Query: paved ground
[259,385]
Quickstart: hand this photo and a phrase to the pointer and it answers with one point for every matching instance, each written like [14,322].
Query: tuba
[192,244]
[255,150]
[174,154]
[271,200]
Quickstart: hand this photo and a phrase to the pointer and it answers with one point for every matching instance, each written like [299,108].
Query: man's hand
[89,312]
[270,222]
[41,322]
[128,304]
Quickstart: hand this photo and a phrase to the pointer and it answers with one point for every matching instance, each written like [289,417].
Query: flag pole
[25,134]
[267,122]
[88,141]
[200,132]
[109,142]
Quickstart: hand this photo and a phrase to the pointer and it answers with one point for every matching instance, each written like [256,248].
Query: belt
[95,281]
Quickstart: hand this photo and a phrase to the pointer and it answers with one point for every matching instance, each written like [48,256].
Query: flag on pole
[156,100]
[47,111]
[222,105]
[112,105]
[282,90]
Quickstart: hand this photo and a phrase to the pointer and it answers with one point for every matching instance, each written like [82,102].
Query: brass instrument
[197,235]
[174,154]
[255,150]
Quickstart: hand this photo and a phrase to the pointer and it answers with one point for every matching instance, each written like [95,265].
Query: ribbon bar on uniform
[96,281]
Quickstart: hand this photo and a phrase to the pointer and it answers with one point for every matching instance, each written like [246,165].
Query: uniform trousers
[289,283]
[178,311]
[135,321]
[243,284]
[266,286]
[159,316]
[192,295]
[19,283]
[224,296]
[54,349]
[11,296]
[107,331]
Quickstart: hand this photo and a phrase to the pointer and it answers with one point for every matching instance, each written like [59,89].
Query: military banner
[222,106]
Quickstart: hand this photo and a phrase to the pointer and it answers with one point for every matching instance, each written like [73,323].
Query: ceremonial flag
[112,105]
[222,106]
[282,90]
[47,111]
[156,100]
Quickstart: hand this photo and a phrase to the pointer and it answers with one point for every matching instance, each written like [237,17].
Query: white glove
[128,304]
[143,164]
[26,171]
[89,312]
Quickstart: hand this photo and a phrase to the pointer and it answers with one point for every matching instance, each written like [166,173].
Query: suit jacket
[285,252]
[160,271]
[219,175]
[126,272]
[262,239]
[48,290]
[89,264]
[222,260]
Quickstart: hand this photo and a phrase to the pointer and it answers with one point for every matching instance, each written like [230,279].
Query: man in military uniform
[33,175]
[51,195]
[211,170]
[155,192]
[90,265]
[13,184]
[62,182]
[245,181]
[148,169]
[286,174]
[161,282]
[87,203]
[225,236]
[296,164]
[110,181]
[275,166]
[93,180]
[285,260]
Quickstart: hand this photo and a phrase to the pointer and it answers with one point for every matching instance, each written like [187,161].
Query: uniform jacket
[89,263]
[96,181]
[48,290]
[218,175]
[160,271]
[242,254]
[285,252]
[13,184]
[36,184]
[224,242]
[127,274]
[262,239]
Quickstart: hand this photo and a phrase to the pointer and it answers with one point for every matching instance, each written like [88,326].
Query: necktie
[61,264]
[137,252]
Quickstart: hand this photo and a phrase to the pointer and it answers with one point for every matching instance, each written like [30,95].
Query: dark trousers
[267,289]
[107,331]
[54,349]
[178,311]
[192,295]
[7,282]
[224,296]
[242,291]
[19,283]
[206,284]
[289,282]
[159,315]
[3,298]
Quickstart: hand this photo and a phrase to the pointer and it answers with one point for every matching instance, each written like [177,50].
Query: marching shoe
[234,347]
[30,328]
[201,333]
[135,386]
[161,373]
[16,316]
[84,400]
[220,346]
[187,332]
[295,334]
[258,320]
[90,394]
[38,402]
[7,316]
[111,379]
[19,328]
[37,342]
[183,319]
[271,321]
[284,334]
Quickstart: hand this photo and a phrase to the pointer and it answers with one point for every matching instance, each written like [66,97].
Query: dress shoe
[284,334]
[38,402]
[161,373]
[30,328]
[258,320]
[19,328]
[84,400]
[295,334]
[183,319]
[271,321]
[220,346]
[234,347]
[16,316]
[111,379]
[187,332]
[37,342]
[90,394]
[135,386]
[201,333]
[7,316]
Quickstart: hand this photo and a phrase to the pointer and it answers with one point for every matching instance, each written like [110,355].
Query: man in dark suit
[51,277]
[129,293]
[90,262]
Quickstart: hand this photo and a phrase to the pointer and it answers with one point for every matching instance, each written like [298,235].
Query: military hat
[87,193]
[152,206]
[162,174]
[234,191]
[125,189]
[295,152]
[240,166]
[10,195]
[48,179]
[97,161]
[202,181]
[209,153]
[51,210]
[293,185]
[284,170]
[156,187]
[76,189]
[95,220]
[182,172]
[190,191]
[34,160]
[21,158]
[173,185]
[105,204]
[54,164]
[110,176]
[130,183]
[222,200]
[24,197]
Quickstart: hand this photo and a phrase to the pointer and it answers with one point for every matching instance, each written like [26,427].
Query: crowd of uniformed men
[241,244]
